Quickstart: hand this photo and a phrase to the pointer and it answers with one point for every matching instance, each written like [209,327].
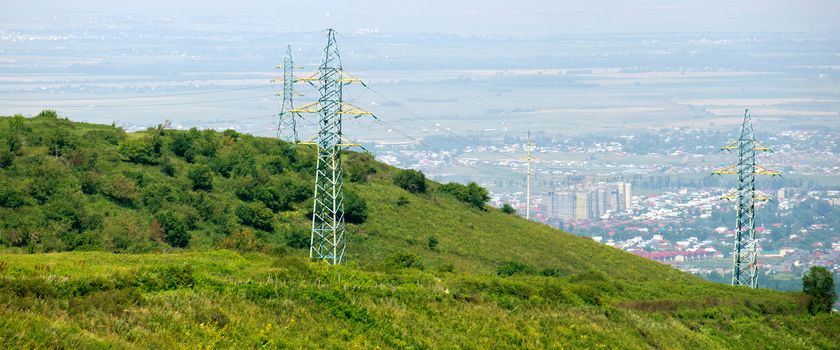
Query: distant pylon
[287,123]
[745,249]
[328,240]
[529,147]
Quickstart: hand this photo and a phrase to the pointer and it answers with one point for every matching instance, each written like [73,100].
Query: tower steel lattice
[328,241]
[287,123]
[745,247]
[529,147]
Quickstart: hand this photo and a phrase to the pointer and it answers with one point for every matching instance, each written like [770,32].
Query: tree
[507,209]
[182,144]
[11,196]
[256,215]
[411,180]
[15,137]
[140,151]
[201,178]
[47,113]
[174,229]
[818,284]
[355,208]
[59,141]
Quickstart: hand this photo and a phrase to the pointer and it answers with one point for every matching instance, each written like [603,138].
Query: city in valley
[661,203]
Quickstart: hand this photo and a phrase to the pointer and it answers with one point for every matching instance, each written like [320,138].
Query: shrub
[201,178]
[403,260]
[507,209]
[182,144]
[107,301]
[11,196]
[550,272]
[165,278]
[279,196]
[355,208]
[174,229]
[274,165]
[232,134]
[818,284]
[256,215]
[411,180]
[432,242]
[207,144]
[110,136]
[140,151]
[360,167]
[121,189]
[14,139]
[6,158]
[158,195]
[90,182]
[60,141]
[511,268]
[167,168]
[298,239]
[472,193]
[402,201]
[47,113]
[244,241]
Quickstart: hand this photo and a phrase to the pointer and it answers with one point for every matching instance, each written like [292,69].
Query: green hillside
[199,239]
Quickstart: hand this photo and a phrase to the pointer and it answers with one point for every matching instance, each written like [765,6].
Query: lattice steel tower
[287,123]
[745,249]
[328,240]
[529,147]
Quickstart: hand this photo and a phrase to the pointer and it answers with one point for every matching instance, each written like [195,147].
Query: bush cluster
[472,193]
[411,180]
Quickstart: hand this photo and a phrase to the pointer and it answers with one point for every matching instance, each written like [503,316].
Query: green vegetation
[130,253]
[818,284]
[507,209]
[411,180]
[472,193]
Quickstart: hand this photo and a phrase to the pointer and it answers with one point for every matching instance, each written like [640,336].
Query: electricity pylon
[327,240]
[745,249]
[287,123]
[529,147]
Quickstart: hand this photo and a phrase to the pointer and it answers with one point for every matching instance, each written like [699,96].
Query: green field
[93,230]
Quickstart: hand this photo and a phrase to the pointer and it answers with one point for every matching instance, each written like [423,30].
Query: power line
[135,97]
[140,105]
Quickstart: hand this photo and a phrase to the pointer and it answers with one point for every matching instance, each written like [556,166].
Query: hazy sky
[490,17]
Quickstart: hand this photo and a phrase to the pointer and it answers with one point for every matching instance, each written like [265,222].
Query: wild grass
[223,299]
[424,269]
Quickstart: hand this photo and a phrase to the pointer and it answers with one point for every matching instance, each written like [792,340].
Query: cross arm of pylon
[760,170]
[348,78]
[350,109]
[310,141]
[307,108]
[730,170]
[759,147]
[730,146]
[348,142]
[733,194]
[310,78]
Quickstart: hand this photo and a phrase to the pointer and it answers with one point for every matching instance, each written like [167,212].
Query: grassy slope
[599,296]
